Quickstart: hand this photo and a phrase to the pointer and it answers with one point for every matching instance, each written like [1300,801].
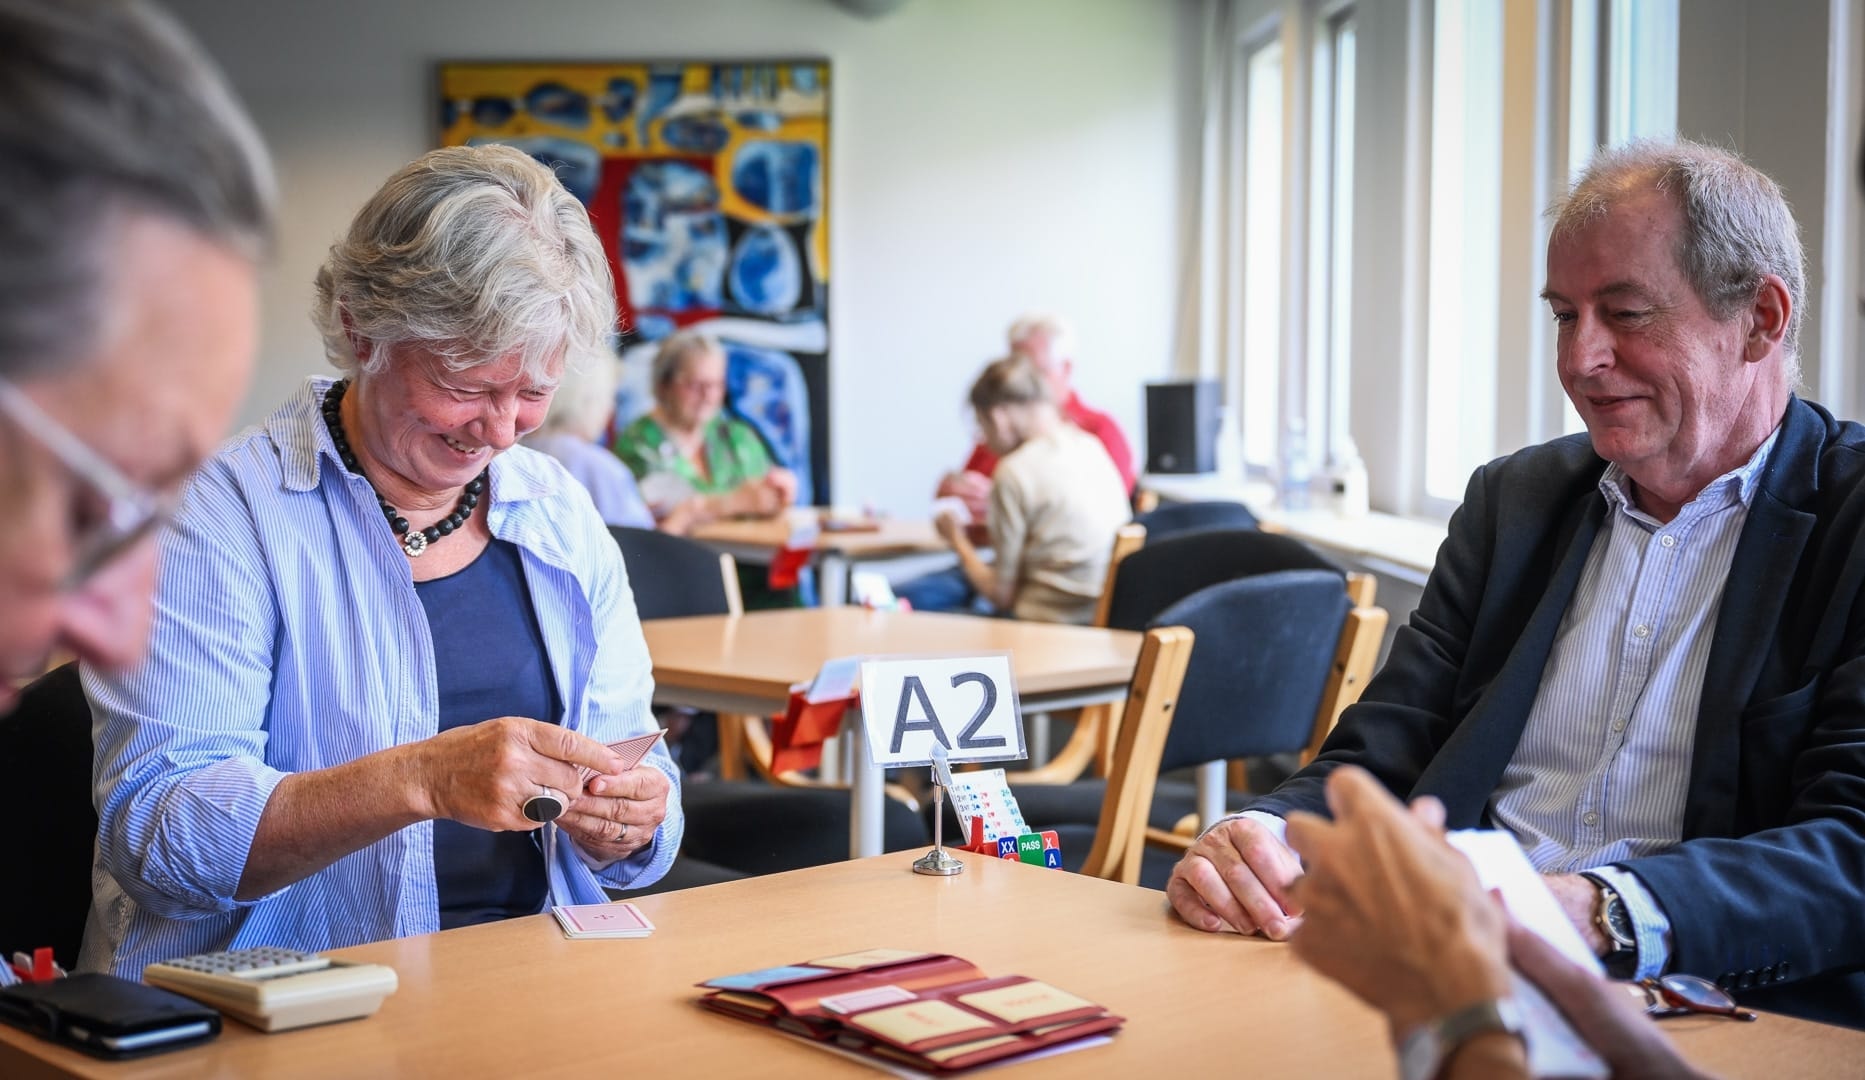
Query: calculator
[276,989]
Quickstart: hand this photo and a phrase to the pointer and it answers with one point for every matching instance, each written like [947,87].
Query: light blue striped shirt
[1603,768]
[288,637]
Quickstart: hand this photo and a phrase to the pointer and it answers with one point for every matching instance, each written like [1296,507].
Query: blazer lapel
[1766,559]
[1465,771]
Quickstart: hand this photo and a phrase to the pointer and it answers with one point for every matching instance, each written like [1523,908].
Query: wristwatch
[1614,920]
[1429,1046]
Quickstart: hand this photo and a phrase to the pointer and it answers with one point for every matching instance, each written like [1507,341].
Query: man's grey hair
[670,360]
[1061,335]
[1737,224]
[107,108]
[473,253]
[585,398]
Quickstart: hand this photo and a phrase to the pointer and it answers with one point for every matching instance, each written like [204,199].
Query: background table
[747,664]
[836,552]
[516,999]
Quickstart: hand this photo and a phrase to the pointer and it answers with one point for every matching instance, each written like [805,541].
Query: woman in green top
[696,464]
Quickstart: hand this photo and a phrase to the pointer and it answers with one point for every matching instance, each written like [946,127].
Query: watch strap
[1621,957]
[1427,1048]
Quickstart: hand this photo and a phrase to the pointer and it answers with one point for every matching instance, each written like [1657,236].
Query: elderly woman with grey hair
[387,638]
[578,416]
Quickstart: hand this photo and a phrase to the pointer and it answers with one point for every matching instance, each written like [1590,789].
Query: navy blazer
[1766,892]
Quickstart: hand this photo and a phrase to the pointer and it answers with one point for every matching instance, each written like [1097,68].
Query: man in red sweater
[1047,340]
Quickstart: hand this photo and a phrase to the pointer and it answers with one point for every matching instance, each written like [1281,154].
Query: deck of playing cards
[618,920]
[632,751]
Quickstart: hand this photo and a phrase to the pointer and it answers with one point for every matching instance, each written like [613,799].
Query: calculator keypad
[265,962]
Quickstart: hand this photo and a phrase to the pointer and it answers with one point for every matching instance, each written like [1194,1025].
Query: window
[1262,254]
[1463,246]
[1330,322]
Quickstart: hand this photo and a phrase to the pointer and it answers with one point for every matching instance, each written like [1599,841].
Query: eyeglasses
[117,512]
[1682,995]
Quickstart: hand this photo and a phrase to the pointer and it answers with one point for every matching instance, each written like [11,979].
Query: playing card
[617,920]
[632,751]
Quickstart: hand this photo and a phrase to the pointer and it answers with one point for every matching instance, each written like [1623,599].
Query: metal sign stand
[937,862]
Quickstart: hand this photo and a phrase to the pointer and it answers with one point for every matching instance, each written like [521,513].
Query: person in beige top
[1056,502]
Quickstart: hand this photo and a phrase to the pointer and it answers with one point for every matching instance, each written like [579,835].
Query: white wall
[986,158]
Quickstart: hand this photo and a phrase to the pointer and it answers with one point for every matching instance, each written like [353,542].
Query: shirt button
[1641,630]
[1618,725]
[1591,818]
[1668,540]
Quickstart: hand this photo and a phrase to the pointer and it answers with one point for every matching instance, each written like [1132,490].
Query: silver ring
[546,805]
[623,835]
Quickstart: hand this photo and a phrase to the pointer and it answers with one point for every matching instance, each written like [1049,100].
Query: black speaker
[1181,426]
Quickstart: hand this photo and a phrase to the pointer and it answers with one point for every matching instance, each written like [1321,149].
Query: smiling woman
[383,629]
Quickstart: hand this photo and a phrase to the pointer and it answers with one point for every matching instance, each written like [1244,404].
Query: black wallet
[108,1017]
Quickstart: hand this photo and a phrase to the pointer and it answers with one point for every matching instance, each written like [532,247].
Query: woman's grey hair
[107,108]
[1014,380]
[474,253]
[585,398]
[1737,224]
[674,352]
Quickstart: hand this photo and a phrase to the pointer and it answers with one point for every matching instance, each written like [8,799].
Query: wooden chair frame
[1151,698]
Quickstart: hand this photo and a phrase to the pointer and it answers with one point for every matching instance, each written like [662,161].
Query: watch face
[1619,923]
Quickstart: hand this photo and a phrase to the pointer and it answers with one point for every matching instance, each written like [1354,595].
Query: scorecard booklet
[927,1010]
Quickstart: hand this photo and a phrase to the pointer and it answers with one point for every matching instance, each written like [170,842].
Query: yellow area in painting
[466,82]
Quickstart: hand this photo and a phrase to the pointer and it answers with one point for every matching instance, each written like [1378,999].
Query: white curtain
[1211,282]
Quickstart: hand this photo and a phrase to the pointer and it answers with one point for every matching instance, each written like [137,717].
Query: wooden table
[747,664]
[836,552]
[516,999]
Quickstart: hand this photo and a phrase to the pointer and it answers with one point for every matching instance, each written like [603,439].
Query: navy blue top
[489,662]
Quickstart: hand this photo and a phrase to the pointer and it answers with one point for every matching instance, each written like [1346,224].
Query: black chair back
[1259,667]
[1170,519]
[671,575]
[1161,574]
[45,750]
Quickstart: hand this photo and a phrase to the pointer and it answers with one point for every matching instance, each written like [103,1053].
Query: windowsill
[1409,546]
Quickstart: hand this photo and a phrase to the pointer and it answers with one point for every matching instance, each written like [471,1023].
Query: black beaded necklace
[416,542]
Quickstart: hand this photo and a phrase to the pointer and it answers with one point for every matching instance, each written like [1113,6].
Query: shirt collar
[1735,486]
[304,443]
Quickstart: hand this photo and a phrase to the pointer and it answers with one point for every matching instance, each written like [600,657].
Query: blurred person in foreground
[1395,914]
[135,202]
[382,628]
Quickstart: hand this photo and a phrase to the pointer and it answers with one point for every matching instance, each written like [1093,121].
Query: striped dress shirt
[288,637]
[1603,768]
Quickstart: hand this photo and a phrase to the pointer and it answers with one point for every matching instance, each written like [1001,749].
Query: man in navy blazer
[1642,650]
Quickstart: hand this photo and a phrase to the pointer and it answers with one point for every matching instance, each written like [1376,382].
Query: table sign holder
[937,862]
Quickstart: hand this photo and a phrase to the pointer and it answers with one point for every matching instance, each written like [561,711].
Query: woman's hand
[618,813]
[784,483]
[950,529]
[482,774]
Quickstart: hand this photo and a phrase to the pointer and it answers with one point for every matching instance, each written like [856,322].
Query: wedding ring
[623,835]
[546,805]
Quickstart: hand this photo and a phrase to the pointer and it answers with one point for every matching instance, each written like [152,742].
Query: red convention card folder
[927,1010]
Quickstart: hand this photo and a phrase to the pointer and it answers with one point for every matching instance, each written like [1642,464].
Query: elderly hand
[482,774]
[1391,910]
[619,812]
[1611,1020]
[784,483]
[1237,877]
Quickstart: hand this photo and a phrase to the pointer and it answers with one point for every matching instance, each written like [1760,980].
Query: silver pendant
[414,543]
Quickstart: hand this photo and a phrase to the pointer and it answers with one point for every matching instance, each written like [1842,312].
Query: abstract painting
[707,183]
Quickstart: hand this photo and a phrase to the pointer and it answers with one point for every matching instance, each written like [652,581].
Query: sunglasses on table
[1688,995]
[112,513]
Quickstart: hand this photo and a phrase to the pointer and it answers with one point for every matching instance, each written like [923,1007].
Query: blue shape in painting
[653,326]
[767,274]
[620,99]
[760,119]
[695,134]
[673,238]
[493,111]
[663,90]
[558,104]
[805,79]
[765,387]
[777,176]
[577,165]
